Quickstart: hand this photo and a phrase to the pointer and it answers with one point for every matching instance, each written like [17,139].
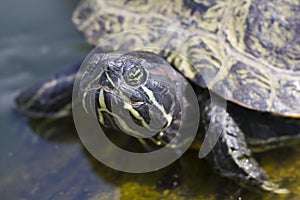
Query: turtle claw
[273,188]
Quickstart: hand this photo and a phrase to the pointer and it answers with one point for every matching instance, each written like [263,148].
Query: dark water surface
[45,159]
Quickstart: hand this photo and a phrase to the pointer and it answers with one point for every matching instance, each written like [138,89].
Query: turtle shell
[246,51]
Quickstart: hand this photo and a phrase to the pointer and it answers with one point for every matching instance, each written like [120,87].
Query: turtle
[245,52]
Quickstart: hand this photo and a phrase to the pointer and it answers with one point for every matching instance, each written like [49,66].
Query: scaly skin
[231,156]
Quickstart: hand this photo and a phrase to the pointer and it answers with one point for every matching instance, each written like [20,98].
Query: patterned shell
[246,51]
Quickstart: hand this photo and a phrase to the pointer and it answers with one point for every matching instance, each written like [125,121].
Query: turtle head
[138,93]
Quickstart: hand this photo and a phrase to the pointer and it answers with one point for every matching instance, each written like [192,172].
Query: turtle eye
[134,75]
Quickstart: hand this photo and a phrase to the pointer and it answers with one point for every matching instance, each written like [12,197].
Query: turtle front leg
[230,156]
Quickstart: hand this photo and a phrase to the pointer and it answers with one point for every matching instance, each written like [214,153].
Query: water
[40,160]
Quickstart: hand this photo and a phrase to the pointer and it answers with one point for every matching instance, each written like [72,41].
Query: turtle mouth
[137,109]
[137,120]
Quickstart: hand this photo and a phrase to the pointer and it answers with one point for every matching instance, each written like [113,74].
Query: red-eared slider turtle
[248,50]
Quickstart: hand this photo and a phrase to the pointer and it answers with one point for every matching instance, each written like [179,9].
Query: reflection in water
[56,165]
